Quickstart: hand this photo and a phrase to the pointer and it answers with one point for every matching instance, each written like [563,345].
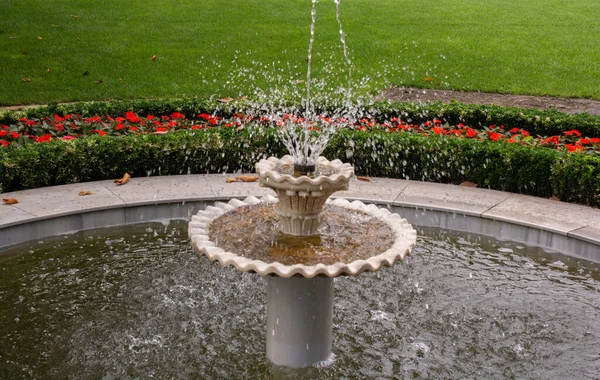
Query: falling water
[313,13]
[348,62]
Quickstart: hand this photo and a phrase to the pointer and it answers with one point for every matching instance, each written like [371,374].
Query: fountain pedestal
[300,297]
[299,320]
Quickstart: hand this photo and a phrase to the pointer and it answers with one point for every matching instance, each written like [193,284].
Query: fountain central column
[299,320]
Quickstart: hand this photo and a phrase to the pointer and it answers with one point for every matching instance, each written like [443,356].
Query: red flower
[57,118]
[574,148]
[119,126]
[471,132]
[514,131]
[45,138]
[14,135]
[551,140]
[3,133]
[98,131]
[132,117]
[524,133]
[132,128]
[95,119]
[437,121]
[438,130]
[177,115]
[68,137]
[494,136]
[30,123]
[58,127]
[150,117]
[161,130]
[4,143]
[573,132]
[172,123]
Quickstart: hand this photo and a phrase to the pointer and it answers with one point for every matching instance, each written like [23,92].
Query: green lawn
[548,47]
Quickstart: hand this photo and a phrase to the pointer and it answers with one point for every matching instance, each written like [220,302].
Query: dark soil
[569,105]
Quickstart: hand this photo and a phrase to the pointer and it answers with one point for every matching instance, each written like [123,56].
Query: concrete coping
[553,225]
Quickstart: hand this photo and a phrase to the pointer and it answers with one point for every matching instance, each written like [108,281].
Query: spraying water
[301,141]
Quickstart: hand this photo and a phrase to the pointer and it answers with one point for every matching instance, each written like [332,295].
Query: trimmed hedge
[541,172]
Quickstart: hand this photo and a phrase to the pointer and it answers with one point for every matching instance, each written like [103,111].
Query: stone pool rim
[567,228]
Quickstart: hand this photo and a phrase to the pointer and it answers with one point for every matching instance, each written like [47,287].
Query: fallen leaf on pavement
[554,198]
[229,180]
[468,184]
[10,201]
[123,180]
[362,178]
[83,193]
[247,178]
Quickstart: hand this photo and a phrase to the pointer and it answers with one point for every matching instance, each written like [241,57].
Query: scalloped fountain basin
[217,229]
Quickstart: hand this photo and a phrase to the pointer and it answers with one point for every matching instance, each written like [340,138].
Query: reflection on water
[138,302]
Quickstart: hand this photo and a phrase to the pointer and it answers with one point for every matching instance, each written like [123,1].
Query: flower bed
[70,127]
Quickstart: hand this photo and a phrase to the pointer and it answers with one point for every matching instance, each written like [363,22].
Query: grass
[203,47]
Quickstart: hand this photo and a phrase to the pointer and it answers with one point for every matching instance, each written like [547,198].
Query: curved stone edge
[264,169]
[406,238]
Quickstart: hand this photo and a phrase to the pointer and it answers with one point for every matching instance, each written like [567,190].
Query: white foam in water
[327,362]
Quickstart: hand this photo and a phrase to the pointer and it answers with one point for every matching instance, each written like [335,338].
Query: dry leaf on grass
[362,178]
[468,184]
[49,69]
[98,81]
[26,79]
[74,16]
[226,100]
[86,192]
[10,201]
[154,57]
[39,38]
[123,180]
[428,79]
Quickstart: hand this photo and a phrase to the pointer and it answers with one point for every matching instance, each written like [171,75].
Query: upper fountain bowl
[301,198]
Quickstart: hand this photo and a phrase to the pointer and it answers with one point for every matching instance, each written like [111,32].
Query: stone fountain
[299,267]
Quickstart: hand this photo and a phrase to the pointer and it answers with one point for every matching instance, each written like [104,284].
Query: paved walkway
[558,218]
